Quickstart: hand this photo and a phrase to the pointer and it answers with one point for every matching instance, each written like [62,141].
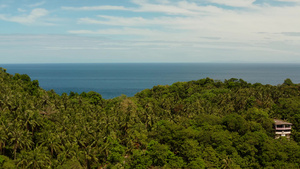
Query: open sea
[113,79]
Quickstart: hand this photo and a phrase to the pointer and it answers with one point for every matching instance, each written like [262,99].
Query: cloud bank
[160,31]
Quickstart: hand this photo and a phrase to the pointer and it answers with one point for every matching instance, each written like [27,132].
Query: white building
[282,129]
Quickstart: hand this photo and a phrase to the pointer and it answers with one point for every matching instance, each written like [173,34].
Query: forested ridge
[197,124]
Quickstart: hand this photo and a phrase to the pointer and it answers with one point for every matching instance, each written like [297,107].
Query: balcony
[283,128]
[283,133]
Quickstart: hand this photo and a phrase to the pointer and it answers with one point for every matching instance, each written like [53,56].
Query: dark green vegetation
[196,124]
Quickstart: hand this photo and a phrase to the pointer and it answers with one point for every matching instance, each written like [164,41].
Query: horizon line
[157,63]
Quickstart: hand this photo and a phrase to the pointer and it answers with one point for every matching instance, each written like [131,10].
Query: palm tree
[19,138]
[3,137]
[37,158]
[69,150]
[52,141]
[31,120]
[90,155]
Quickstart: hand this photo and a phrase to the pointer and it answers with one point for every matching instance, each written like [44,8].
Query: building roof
[279,122]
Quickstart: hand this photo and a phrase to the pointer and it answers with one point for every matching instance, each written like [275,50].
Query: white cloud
[234,3]
[228,24]
[56,48]
[162,8]
[21,10]
[297,1]
[172,28]
[291,33]
[112,20]
[31,18]
[183,8]
[95,8]
[225,29]
[180,8]
[163,1]
[37,4]
[3,6]
[123,31]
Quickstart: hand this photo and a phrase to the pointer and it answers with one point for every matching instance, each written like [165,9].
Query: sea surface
[114,79]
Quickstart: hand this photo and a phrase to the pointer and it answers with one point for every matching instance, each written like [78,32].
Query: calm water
[112,80]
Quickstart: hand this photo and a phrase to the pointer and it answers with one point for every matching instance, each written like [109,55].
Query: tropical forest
[198,124]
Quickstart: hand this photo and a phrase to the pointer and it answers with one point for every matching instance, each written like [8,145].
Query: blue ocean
[114,79]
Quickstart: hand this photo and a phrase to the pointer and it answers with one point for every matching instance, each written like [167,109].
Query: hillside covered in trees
[197,124]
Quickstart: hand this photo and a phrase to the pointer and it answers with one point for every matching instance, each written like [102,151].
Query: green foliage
[197,163]
[7,163]
[160,155]
[198,124]
[235,123]
[71,164]
[94,97]
[37,158]
[116,151]
[288,82]
[140,160]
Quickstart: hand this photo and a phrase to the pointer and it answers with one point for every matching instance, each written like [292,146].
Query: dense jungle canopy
[197,124]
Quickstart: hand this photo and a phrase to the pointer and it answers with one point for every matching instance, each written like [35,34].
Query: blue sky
[90,31]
